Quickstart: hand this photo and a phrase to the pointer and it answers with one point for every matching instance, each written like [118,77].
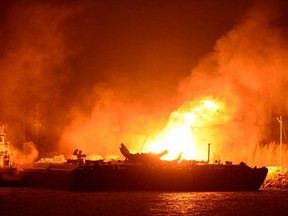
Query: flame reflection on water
[188,203]
[27,201]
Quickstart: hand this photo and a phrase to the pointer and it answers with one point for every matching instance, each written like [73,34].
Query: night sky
[62,58]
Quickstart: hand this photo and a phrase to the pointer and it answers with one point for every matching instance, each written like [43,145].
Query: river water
[29,201]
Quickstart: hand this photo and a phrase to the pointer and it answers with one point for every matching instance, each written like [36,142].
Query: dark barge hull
[127,177]
[48,176]
[10,177]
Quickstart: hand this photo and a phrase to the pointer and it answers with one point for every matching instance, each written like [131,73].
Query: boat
[9,174]
[144,172]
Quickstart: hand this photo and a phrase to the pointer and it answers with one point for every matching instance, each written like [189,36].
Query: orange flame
[187,130]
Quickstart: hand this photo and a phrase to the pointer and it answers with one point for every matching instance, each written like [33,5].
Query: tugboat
[9,176]
[144,172]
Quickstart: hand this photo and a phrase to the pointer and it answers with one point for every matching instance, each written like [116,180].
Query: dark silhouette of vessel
[9,175]
[144,172]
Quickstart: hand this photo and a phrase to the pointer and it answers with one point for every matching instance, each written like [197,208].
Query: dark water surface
[28,201]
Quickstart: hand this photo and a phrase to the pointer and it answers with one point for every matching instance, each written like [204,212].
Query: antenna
[281,130]
[144,142]
[208,160]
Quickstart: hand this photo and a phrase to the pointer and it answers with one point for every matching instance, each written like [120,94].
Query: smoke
[33,71]
[32,53]
[23,157]
[90,76]
[114,119]
[247,69]
[55,60]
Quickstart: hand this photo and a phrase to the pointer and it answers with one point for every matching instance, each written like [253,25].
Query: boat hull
[127,177]
[10,177]
[48,176]
[194,178]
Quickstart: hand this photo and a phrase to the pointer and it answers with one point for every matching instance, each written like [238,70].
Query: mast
[208,161]
[37,124]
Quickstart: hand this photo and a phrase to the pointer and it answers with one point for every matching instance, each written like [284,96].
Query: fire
[187,131]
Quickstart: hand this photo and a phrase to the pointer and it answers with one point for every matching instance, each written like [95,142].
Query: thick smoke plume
[248,70]
[112,121]
[32,55]
[24,157]
[90,76]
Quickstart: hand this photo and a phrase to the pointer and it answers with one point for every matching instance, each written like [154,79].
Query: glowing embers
[188,129]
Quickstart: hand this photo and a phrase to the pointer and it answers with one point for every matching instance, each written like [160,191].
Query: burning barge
[143,172]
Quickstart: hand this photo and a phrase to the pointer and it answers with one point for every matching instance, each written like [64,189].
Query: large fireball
[188,129]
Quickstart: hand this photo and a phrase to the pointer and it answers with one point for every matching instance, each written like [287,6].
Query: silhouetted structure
[144,171]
